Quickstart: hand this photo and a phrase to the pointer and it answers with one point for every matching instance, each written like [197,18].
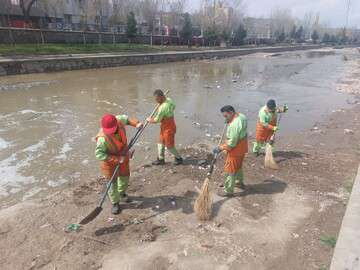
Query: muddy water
[48,121]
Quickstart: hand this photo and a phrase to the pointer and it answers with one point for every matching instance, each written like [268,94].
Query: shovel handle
[272,138]
[108,185]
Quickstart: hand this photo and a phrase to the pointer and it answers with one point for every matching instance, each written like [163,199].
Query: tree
[131,24]
[149,8]
[8,8]
[333,39]
[314,36]
[186,32]
[26,8]
[225,35]
[326,38]
[240,35]
[101,9]
[282,36]
[281,20]
[53,8]
[342,36]
[299,34]
[293,32]
[176,9]
[211,33]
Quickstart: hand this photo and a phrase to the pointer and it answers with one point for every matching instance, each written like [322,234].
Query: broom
[203,203]
[269,158]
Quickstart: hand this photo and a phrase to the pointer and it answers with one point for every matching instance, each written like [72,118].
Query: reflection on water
[48,121]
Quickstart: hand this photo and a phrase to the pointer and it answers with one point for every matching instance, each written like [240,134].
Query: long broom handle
[278,123]
[216,155]
[131,144]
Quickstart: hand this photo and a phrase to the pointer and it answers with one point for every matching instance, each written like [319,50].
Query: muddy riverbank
[277,224]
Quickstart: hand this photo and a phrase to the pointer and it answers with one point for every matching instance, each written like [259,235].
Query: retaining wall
[61,63]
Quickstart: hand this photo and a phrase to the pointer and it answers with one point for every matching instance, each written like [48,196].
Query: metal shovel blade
[90,217]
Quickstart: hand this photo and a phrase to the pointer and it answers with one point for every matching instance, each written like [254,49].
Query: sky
[332,12]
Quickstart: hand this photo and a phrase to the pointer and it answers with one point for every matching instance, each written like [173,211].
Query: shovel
[90,217]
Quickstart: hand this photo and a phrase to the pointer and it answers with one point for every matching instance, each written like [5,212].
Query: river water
[48,121]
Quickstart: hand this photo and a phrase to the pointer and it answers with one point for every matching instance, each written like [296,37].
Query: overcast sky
[332,12]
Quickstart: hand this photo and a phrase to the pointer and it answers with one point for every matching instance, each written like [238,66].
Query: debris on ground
[348,131]
[148,237]
[73,227]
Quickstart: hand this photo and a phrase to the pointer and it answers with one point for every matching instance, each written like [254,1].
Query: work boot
[158,162]
[115,210]
[125,199]
[240,185]
[224,194]
[178,161]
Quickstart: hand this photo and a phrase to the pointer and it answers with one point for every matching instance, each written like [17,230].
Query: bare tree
[310,23]
[100,9]
[281,21]
[8,8]
[26,6]
[175,18]
[149,9]
[53,8]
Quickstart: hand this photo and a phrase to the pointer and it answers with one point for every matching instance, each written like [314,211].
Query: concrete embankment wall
[347,250]
[61,63]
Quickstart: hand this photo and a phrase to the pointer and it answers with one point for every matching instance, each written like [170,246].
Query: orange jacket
[263,134]
[116,148]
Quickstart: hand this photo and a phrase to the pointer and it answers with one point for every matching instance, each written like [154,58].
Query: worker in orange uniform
[165,116]
[112,150]
[236,147]
[267,124]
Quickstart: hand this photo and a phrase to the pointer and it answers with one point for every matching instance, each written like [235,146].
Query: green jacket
[265,116]
[237,130]
[166,110]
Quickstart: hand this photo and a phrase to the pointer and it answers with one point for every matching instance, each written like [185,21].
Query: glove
[275,128]
[285,108]
[113,159]
[139,125]
[216,150]
[121,159]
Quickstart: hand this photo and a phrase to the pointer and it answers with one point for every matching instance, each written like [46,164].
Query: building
[88,15]
[257,28]
[217,12]
[12,15]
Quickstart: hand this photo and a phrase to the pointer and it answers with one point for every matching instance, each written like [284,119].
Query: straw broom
[203,203]
[269,158]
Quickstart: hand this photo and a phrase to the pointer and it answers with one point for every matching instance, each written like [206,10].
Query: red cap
[109,123]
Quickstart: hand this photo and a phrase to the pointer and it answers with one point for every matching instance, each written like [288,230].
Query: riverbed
[48,121]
